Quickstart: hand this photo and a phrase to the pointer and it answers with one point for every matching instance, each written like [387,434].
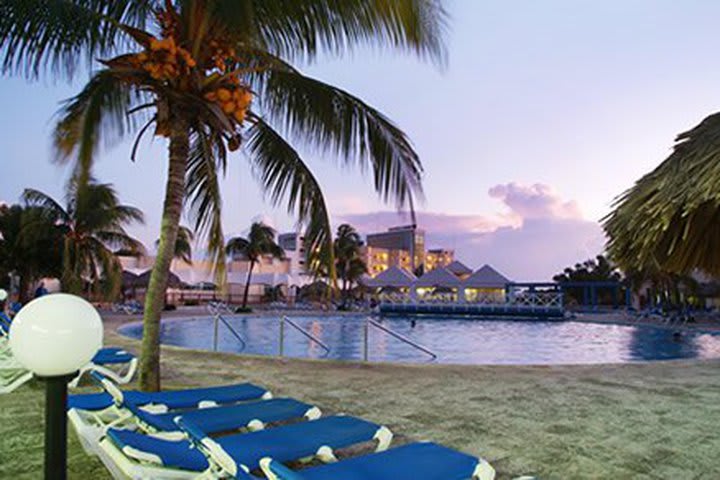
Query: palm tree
[183,245]
[669,221]
[92,226]
[30,246]
[260,242]
[348,259]
[191,69]
[183,248]
[672,288]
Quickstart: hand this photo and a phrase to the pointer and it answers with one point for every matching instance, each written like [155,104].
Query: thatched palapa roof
[670,219]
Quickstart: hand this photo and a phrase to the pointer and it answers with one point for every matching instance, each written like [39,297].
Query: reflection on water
[453,340]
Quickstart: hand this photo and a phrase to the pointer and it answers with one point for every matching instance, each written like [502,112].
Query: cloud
[428,221]
[534,201]
[537,235]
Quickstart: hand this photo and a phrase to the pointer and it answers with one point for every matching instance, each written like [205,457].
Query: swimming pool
[460,341]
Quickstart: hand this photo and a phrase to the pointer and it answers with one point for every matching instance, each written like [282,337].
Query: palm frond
[97,116]
[58,35]
[284,176]
[260,241]
[121,241]
[302,29]
[207,157]
[37,198]
[669,219]
[96,207]
[237,246]
[183,244]
[337,123]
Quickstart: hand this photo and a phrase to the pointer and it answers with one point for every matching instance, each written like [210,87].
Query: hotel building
[404,246]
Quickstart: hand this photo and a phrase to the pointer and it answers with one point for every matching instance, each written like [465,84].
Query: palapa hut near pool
[394,277]
[459,269]
[134,286]
[436,283]
[393,284]
[486,285]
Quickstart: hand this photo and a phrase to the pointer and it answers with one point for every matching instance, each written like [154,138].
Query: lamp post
[53,336]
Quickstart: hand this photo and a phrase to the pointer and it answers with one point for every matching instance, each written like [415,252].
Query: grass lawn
[637,421]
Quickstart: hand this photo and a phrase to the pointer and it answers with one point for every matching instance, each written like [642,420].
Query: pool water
[460,341]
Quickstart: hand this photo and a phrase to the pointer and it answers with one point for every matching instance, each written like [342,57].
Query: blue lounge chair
[251,415]
[12,374]
[105,360]
[92,413]
[160,402]
[415,461]
[4,324]
[136,455]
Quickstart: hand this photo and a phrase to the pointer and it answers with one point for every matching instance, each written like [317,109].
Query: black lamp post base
[56,426]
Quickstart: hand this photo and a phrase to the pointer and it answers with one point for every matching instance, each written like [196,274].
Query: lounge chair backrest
[109,387]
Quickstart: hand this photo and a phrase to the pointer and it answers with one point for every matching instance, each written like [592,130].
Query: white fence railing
[549,299]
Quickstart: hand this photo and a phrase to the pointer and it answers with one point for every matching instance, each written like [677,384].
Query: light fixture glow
[56,334]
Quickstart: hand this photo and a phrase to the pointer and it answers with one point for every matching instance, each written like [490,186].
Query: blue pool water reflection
[453,340]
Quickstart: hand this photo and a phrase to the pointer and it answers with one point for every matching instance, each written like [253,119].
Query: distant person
[14,305]
[4,319]
[41,290]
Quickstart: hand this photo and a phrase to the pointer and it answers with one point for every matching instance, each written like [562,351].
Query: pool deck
[656,420]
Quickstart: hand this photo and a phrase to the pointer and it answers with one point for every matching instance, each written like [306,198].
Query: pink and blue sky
[545,112]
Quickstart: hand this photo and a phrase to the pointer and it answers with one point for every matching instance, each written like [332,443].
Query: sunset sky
[544,113]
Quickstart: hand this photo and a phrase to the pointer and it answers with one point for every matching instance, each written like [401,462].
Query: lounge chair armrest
[194,433]
[209,446]
[277,471]
[483,471]
[108,386]
[384,437]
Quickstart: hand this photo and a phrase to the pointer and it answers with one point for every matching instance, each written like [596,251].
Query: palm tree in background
[92,227]
[189,71]
[348,257]
[259,242]
[30,247]
[183,245]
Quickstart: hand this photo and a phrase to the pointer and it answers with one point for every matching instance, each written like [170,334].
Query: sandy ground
[655,420]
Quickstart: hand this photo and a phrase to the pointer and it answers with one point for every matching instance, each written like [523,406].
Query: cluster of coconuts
[164,60]
[234,99]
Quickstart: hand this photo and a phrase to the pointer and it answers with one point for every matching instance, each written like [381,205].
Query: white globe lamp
[54,336]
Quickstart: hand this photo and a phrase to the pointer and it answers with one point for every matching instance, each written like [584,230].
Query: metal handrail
[219,317]
[370,322]
[307,334]
[216,307]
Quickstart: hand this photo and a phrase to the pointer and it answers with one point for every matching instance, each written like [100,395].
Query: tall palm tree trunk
[247,284]
[172,209]
[24,287]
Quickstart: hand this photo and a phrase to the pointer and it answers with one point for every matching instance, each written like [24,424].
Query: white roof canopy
[438,277]
[393,277]
[486,277]
[458,268]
